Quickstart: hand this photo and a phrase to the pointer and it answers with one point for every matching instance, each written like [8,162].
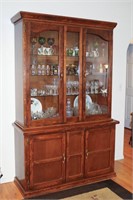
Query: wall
[117,11]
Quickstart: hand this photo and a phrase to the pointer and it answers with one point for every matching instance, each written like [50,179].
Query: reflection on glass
[72,73]
[96,74]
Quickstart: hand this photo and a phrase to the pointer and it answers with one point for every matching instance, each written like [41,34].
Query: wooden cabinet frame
[61,152]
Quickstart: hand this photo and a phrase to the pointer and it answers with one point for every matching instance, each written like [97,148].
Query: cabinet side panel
[19,156]
[19,73]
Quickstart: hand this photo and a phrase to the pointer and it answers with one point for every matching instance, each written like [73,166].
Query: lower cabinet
[72,155]
[64,159]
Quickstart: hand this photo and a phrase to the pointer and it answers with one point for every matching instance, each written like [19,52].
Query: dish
[88,102]
[36,105]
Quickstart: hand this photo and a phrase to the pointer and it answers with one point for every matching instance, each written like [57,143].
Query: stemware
[33,42]
[41,40]
[50,41]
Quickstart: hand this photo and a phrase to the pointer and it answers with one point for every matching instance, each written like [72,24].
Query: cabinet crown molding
[64,20]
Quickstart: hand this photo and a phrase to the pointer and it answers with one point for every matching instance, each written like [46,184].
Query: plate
[88,101]
[36,105]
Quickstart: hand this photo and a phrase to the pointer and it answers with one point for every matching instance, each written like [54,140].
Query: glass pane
[72,74]
[44,75]
[96,75]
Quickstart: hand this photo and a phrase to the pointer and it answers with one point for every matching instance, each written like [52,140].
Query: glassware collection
[45,63]
[43,69]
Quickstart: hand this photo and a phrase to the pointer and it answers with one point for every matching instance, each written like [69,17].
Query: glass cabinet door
[96,69]
[72,73]
[45,70]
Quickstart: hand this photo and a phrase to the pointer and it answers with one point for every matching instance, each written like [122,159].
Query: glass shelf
[44,55]
[44,75]
[46,95]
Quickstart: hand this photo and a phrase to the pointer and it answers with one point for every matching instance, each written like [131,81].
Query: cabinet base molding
[58,188]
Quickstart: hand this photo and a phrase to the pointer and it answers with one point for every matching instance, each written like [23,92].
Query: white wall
[117,11]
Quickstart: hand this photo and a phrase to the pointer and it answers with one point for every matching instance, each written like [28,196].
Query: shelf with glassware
[44,43]
[44,76]
[98,98]
[96,75]
[72,84]
[72,92]
[44,58]
[96,88]
[42,110]
[44,51]
[44,98]
[44,91]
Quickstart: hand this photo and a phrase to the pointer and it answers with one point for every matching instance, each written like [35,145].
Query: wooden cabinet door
[73,71]
[97,64]
[75,155]
[44,80]
[99,151]
[47,160]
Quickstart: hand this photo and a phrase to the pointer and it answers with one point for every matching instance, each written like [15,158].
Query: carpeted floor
[101,194]
[110,191]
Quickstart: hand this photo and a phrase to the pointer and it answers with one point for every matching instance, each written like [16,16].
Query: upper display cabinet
[46,72]
[64,69]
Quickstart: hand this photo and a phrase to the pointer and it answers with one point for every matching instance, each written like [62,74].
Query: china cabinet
[64,133]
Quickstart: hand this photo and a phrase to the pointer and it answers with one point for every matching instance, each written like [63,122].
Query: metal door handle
[87,153]
[64,158]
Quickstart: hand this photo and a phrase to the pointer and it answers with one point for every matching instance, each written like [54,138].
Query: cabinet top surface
[63,20]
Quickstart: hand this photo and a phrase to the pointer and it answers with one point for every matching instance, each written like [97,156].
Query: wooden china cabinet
[64,133]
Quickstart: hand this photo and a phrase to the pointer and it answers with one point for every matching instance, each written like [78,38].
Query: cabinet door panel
[75,166]
[47,148]
[98,163]
[48,172]
[73,64]
[75,155]
[47,160]
[45,74]
[98,139]
[97,74]
[99,151]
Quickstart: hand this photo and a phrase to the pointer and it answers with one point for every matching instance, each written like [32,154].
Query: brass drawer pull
[64,158]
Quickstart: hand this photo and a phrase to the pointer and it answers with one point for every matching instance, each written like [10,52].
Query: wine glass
[50,41]
[33,42]
[41,40]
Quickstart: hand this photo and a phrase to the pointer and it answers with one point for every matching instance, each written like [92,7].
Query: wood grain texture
[123,168]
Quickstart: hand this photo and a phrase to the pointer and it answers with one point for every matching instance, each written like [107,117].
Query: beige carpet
[101,194]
